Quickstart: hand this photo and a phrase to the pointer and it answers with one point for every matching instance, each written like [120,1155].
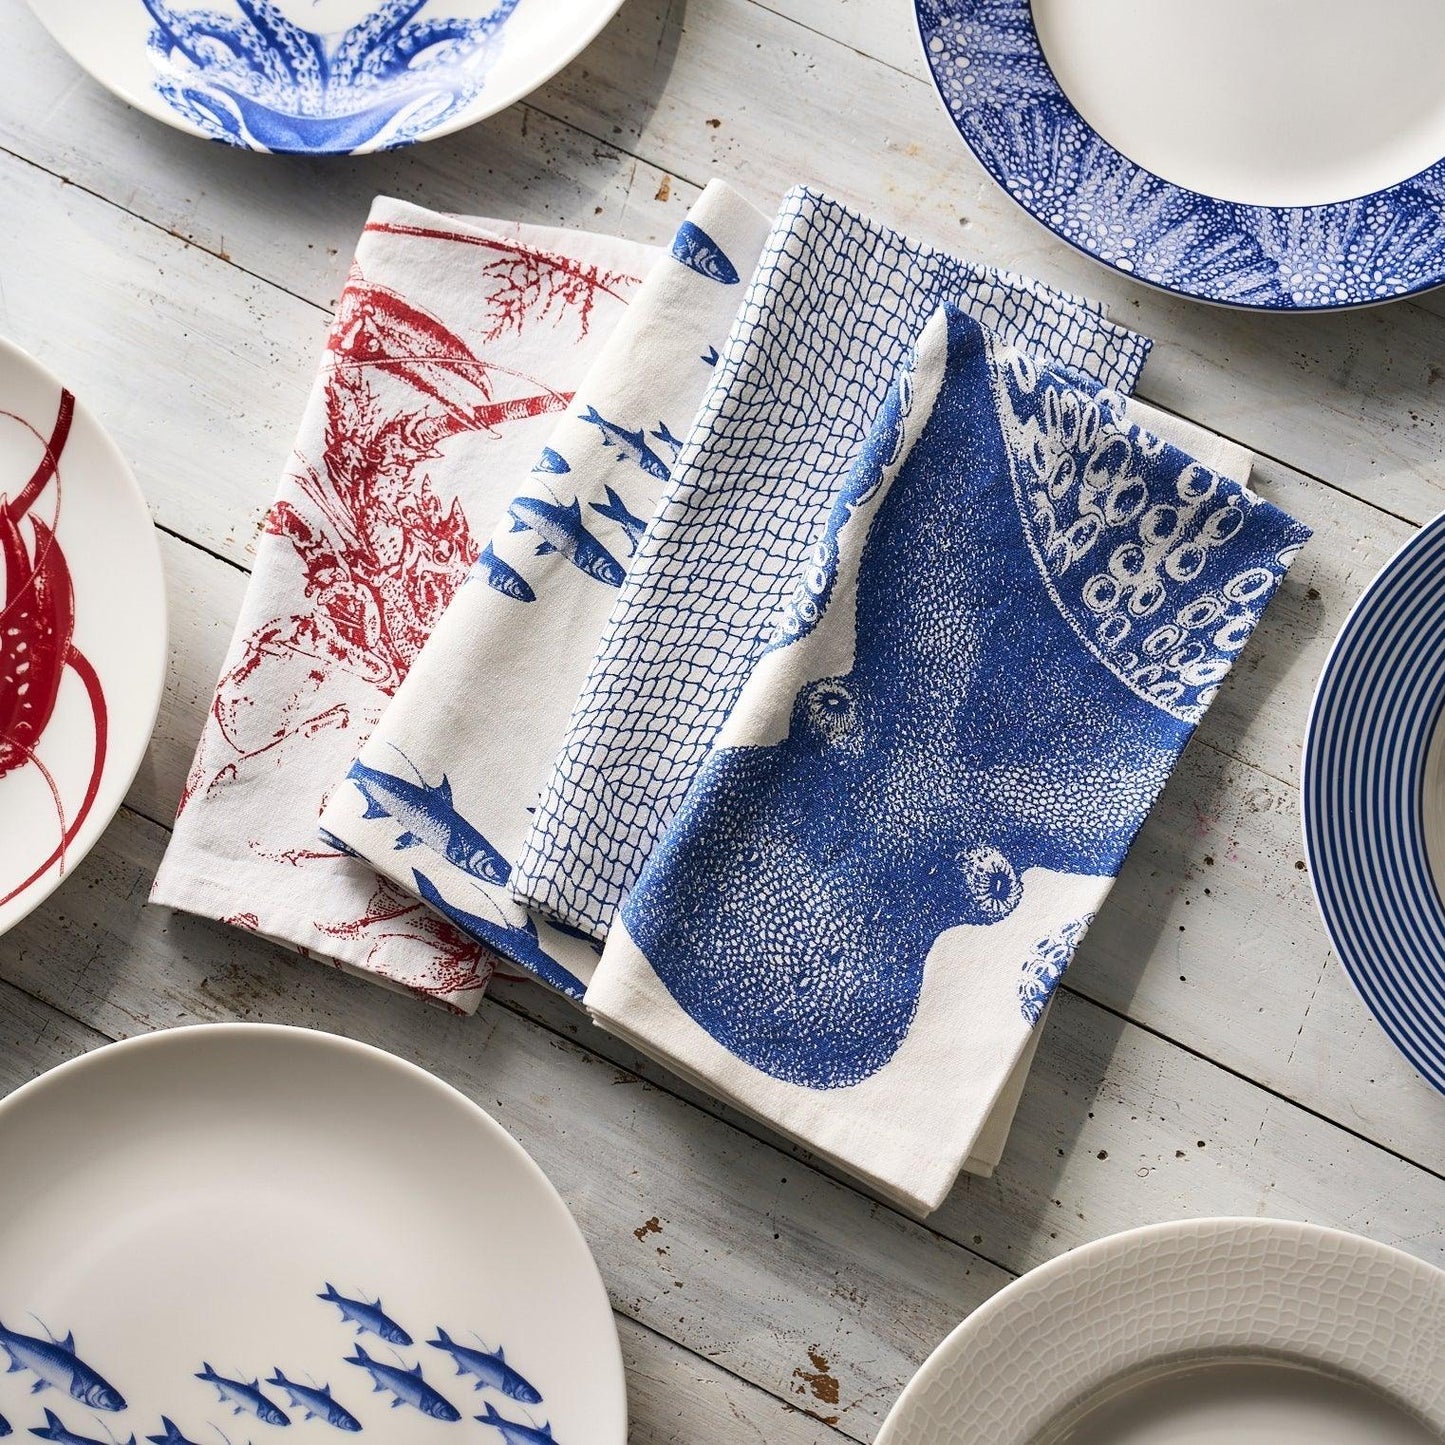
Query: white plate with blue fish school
[323,76]
[211,1234]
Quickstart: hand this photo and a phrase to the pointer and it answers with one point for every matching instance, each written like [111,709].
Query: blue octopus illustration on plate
[248,75]
[1046,601]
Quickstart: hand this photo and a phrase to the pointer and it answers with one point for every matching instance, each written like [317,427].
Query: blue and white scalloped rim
[993,78]
[1367,748]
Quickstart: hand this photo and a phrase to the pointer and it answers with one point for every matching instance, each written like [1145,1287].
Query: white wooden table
[1206,1056]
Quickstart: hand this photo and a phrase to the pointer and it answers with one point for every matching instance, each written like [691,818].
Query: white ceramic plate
[82,631]
[232,1200]
[323,76]
[1219,1304]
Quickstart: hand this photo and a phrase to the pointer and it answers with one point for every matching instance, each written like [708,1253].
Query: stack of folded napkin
[826,620]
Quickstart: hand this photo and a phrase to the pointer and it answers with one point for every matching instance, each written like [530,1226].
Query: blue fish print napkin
[836,301]
[1021,605]
[439,798]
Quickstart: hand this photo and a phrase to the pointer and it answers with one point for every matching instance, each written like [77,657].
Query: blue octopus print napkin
[439,797]
[835,303]
[920,801]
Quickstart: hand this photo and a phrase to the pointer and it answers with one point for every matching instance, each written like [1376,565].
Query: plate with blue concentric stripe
[1286,157]
[1374,799]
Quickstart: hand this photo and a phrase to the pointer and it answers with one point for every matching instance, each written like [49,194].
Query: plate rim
[127,763]
[1133,169]
[944,1355]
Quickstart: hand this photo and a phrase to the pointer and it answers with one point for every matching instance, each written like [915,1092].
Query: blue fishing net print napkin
[835,303]
[1018,610]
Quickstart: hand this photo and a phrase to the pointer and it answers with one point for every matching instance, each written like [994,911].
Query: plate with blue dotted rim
[1374,794]
[212,1233]
[322,77]
[1286,157]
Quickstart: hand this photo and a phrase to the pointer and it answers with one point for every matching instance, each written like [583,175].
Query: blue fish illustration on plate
[552,461]
[244,1399]
[172,1434]
[368,1318]
[54,1429]
[427,815]
[562,530]
[491,1369]
[631,445]
[615,510]
[316,1401]
[698,251]
[56,1365]
[502,577]
[513,1432]
[406,1385]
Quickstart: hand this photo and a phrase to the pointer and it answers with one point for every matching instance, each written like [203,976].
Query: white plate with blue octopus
[1284,156]
[321,77]
[212,1234]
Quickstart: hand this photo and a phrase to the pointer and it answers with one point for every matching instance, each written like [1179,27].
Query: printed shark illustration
[514,1433]
[316,1402]
[52,1429]
[408,1386]
[56,1365]
[427,815]
[244,1399]
[616,511]
[172,1436]
[490,1369]
[503,577]
[552,461]
[521,945]
[699,252]
[631,445]
[368,1318]
[561,530]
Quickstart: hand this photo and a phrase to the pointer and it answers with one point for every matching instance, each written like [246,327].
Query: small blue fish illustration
[561,530]
[631,445]
[512,1432]
[317,1403]
[552,461]
[243,1398]
[5,1427]
[616,511]
[698,251]
[172,1434]
[407,1386]
[490,1369]
[368,1318]
[710,357]
[56,1364]
[52,1429]
[427,815]
[663,435]
[503,577]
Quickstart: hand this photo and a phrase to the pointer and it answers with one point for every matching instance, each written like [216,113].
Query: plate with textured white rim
[1211,1331]
[1373,799]
[323,77]
[213,1232]
[1283,156]
[82,631]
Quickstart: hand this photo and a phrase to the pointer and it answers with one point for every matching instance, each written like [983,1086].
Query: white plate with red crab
[82,631]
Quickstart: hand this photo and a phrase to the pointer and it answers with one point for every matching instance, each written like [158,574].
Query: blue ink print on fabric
[502,577]
[259,80]
[615,510]
[521,945]
[5,1427]
[631,445]
[710,356]
[512,1431]
[171,1435]
[55,1365]
[368,1318]
[552,462]
[1045,966]
[53,1429]
[332,841]
[699,252]
[428,816]
[490,1369]
[317,1402]
[791,907]
[562,530]
[243,1399]
[406,1386]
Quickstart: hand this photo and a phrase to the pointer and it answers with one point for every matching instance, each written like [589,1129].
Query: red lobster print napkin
[456,344]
